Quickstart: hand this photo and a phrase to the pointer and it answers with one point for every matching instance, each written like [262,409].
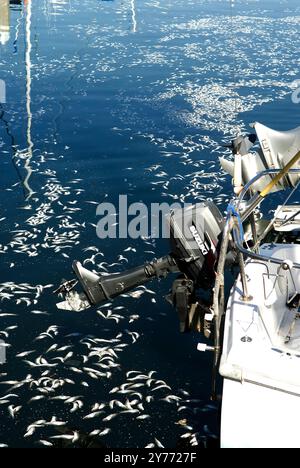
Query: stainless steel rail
[233,228]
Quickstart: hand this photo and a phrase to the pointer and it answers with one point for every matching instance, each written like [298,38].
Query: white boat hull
[255,416]
[261,356]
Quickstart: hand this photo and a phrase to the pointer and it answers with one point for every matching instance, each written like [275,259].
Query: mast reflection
[133,15]
[30,145]
[27,154]
[5,6]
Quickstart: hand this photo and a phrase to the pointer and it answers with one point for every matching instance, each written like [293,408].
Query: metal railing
[248,211]
[233,227]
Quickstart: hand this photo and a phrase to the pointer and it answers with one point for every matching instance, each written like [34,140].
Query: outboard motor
[274,150]
[195,234]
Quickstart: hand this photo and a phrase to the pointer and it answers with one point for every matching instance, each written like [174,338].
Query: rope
[231,211]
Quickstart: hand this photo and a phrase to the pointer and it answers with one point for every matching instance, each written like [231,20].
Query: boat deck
[262,335]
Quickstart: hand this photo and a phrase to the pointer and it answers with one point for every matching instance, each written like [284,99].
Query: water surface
[120,97]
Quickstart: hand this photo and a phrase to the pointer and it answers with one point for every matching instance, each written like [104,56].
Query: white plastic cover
[279,147]
[276,151]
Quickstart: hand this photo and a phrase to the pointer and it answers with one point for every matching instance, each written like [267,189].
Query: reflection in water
[4,21]
[53,9]
[28,100]
[58,7]
[133,119]
[17,6]
[134,22]
[4,37]
[28,152]
[12,143]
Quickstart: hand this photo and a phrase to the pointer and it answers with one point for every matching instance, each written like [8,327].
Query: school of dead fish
[100,358]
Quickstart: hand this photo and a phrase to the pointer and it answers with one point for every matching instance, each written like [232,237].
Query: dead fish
[46,443]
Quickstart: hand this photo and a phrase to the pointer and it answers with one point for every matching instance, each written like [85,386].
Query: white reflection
[58,7]
[4,21]
[133,15]
[27,154]
[54,8]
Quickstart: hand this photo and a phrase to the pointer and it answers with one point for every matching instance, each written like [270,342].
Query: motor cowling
[195,235]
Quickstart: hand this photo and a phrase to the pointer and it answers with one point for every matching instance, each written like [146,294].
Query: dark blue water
[120,97]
